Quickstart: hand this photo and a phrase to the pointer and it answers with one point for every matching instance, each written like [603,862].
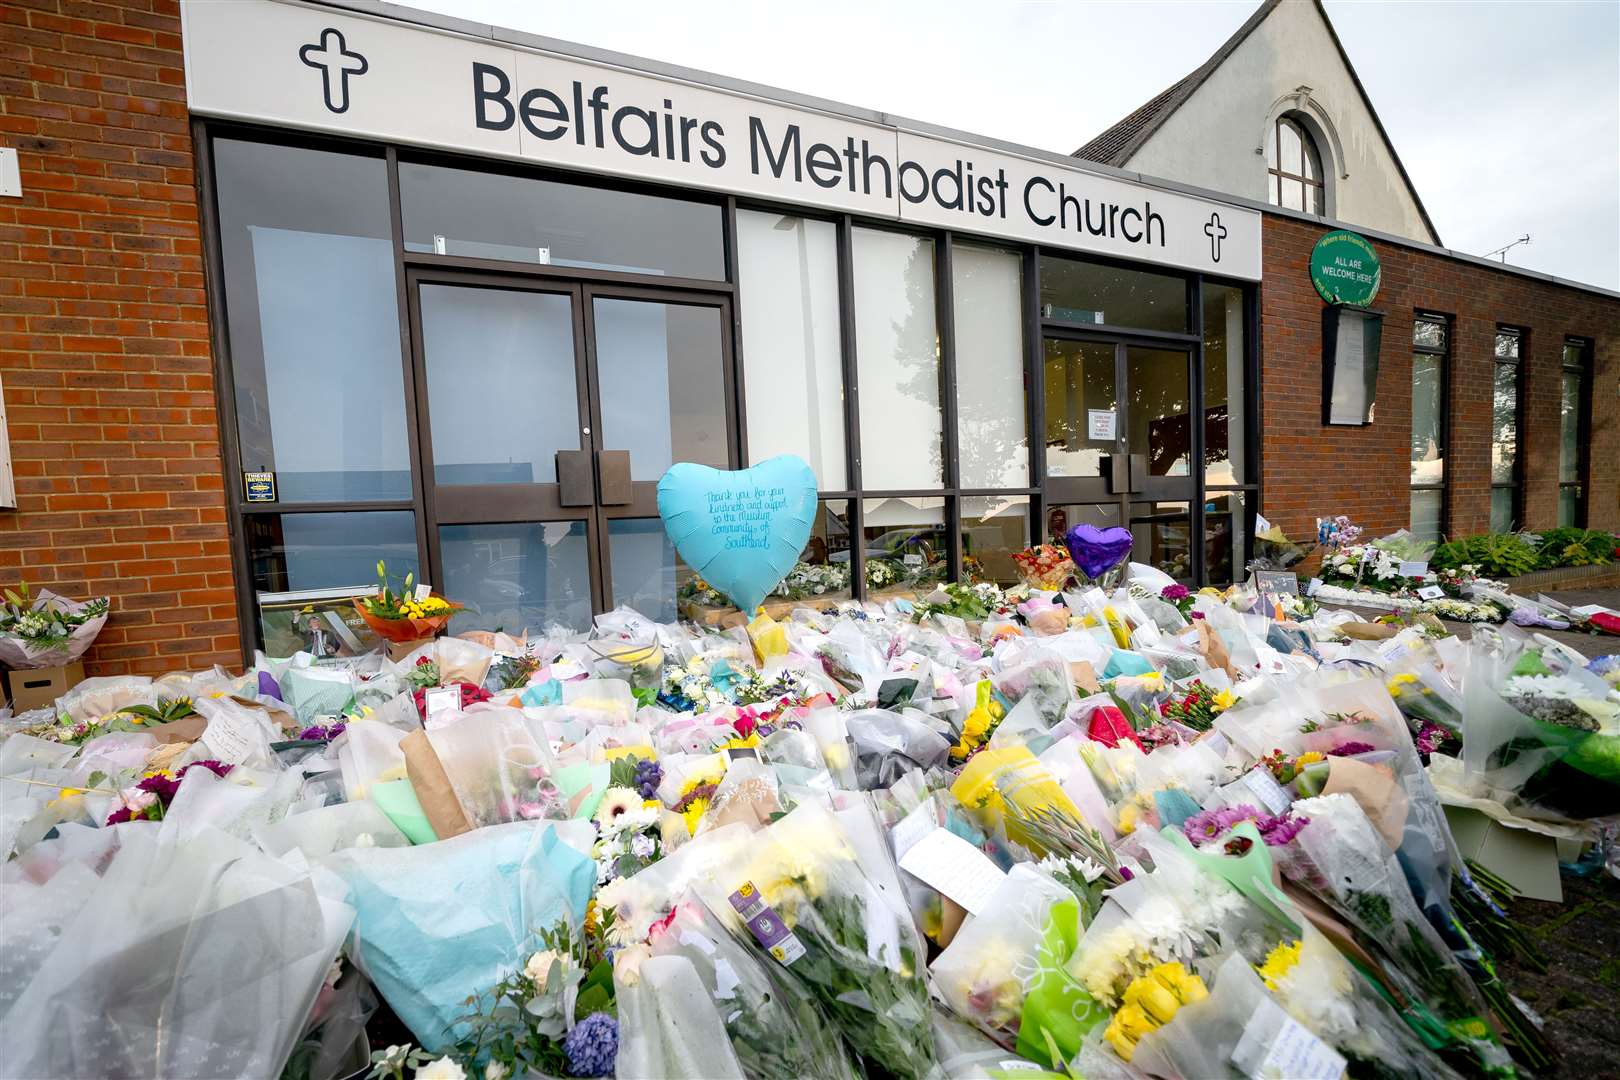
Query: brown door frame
[538,503]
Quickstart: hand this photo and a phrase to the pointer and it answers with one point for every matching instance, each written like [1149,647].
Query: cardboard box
[1526,860]
[35,688]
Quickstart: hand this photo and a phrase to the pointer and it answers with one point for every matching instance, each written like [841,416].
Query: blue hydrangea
[649,774]
[592,1046]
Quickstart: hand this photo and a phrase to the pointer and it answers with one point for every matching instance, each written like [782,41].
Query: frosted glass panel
[659,378]
[1428,450]
[501,387]
[992,432]
[1224,399]
[1426,514]
[793,368]
[897,349]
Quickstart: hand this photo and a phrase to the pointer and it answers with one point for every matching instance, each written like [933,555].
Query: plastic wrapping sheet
[323,830]
[668,1022]
[888,744]
[101,695]
[987,968]
[436,925]
[195,959]
[333,1043]
[312,692]
[238,733]
[497,768]
[368,753]
[1558,771]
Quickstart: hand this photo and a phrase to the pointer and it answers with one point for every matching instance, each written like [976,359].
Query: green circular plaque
[1344,268]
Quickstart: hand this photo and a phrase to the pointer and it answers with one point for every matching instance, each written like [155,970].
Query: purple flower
[218,768]
[317,732]
[1430,737]
[1175,592]
[1277,831]
[1207,825]
[593,1046]
[164,787]
[1198,614]
[649,774]
[1350,749]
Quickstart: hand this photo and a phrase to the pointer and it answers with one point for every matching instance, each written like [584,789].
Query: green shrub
[1566,546]
[1498,555]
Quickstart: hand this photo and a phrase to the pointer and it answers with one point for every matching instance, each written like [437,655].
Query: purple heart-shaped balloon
[1096,551]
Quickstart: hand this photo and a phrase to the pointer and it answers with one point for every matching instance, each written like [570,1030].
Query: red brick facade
[1311,470]
[109,385]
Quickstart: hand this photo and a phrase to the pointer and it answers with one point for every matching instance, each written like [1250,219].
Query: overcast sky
[1506,114]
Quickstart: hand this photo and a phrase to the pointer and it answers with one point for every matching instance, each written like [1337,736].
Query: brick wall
[104,347]
[1311,470]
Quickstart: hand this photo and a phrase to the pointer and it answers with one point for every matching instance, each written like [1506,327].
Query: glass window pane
[646,571]
[1569,429]
[1226,531]
[1060,519]
[518,577]
[992,430]
[1502,509]
[1429,333]
[294,553]
[993,528]
[1293,194]
[1312,160]
[493,216]
[1159,428]
[823,568]
[501,389]
[1428,454]
[1080,400]
[897,349]
[1569,502]
[1507,344]
[791,346]
[1084,292]
[313,321]
[1225,402]
[1426,514]
[1271,149]
[1504,423]
[661,384]
[906,543]
[1161,535]
[1288,154]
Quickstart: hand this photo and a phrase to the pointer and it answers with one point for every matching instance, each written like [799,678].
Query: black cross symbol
[332,56]
[1216,233]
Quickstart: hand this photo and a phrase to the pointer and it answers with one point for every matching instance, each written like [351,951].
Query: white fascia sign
[298,65]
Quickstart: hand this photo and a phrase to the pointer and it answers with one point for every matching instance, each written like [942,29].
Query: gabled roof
[1116,145]
[1119,143]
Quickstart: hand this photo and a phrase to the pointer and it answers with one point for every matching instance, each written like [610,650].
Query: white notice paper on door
[955,867]
[1100,423]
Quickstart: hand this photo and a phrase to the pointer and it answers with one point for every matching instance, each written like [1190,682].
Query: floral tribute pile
[1137,832]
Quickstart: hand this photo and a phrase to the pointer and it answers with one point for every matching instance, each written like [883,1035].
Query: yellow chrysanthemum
[1309,757]
[1279,962]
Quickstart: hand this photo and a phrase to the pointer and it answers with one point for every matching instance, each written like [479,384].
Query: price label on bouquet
[765,924]
[912,559]
[423,591]
[1414,568]
[1432,592]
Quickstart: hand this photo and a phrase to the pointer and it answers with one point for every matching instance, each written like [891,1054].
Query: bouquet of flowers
[47,630]
[1541,732]
[405,615]
[1274,551]
[805,899]
[1197,706]
[1044,566]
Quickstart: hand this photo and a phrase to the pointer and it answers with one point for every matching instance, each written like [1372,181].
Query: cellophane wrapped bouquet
[47,630]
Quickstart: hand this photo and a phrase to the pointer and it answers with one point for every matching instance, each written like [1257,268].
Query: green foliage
[1566,546]
[165,711]
[1498,555]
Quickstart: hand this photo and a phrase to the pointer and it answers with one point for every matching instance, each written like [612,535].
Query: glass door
[1119,444]
[661,393]
[548,411]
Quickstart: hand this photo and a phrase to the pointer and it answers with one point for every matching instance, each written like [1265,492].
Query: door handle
[613,477]
[1116,473]
[574,478]
[1139,473]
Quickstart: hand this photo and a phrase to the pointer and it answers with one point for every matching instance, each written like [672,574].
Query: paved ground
[1579,993]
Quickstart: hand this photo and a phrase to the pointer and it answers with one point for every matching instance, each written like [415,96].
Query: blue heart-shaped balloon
[741,531]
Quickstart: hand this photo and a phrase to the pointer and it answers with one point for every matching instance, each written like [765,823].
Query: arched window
[1294,167]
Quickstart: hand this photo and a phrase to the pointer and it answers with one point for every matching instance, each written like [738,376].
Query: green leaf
[95,779]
